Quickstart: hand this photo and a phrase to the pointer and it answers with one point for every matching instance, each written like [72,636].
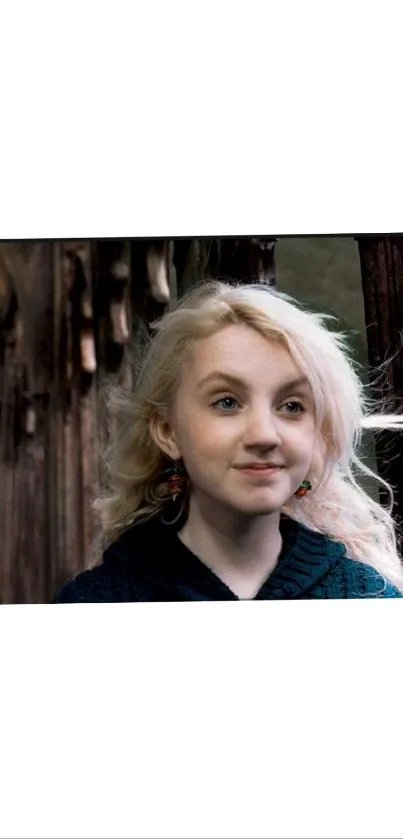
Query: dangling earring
[303,489]
[175,478]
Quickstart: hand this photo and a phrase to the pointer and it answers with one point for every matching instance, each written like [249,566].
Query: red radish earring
[303,489]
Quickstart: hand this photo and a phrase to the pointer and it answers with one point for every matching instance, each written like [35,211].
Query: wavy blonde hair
[337,506]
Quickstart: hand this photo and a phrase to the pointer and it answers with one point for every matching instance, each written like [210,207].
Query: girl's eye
[298,404]
[227,403]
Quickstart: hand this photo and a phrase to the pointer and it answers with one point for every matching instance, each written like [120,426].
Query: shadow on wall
[325,274]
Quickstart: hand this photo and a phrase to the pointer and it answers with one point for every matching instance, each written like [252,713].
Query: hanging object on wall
[157,271]
[79,309]
[120,277]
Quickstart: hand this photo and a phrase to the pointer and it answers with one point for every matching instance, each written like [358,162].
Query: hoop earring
[177,517]
[302,490]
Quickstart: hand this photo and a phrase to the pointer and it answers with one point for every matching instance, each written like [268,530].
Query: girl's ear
[163,435]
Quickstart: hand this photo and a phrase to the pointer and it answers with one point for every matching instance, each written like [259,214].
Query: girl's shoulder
[96,585]
[363,580]
[121,575]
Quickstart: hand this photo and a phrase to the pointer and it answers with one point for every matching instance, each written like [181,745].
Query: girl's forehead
[238,341]
[239,349]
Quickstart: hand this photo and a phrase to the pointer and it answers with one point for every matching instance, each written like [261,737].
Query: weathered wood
[29,267]
[7,533]
[382,282]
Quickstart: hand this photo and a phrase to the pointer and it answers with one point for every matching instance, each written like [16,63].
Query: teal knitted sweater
[150,563]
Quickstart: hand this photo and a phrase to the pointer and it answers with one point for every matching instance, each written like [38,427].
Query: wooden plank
[56,418]
[12,510]
[6,473]
[29,268]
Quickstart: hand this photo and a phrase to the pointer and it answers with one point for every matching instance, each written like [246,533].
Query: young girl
[231,477]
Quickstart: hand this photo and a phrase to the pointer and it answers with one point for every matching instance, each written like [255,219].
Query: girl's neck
[241,551]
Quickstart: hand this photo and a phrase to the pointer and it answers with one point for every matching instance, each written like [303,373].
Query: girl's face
[238,405]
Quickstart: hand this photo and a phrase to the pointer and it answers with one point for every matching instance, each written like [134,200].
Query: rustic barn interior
[70,313]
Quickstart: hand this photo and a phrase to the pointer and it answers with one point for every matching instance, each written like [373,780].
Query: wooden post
[381,260]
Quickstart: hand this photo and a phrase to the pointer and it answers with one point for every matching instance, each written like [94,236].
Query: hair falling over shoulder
[337,506]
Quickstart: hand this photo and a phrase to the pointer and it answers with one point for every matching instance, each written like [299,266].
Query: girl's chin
[257,501]
[259,507]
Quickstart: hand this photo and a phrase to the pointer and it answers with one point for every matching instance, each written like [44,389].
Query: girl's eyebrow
[227,377]
[301,381]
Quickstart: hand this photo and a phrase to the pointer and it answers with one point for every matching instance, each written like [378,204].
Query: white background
[201,720]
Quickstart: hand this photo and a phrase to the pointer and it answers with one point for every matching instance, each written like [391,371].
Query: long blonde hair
[337,506]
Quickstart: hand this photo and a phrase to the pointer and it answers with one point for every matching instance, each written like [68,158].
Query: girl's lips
[259,470]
